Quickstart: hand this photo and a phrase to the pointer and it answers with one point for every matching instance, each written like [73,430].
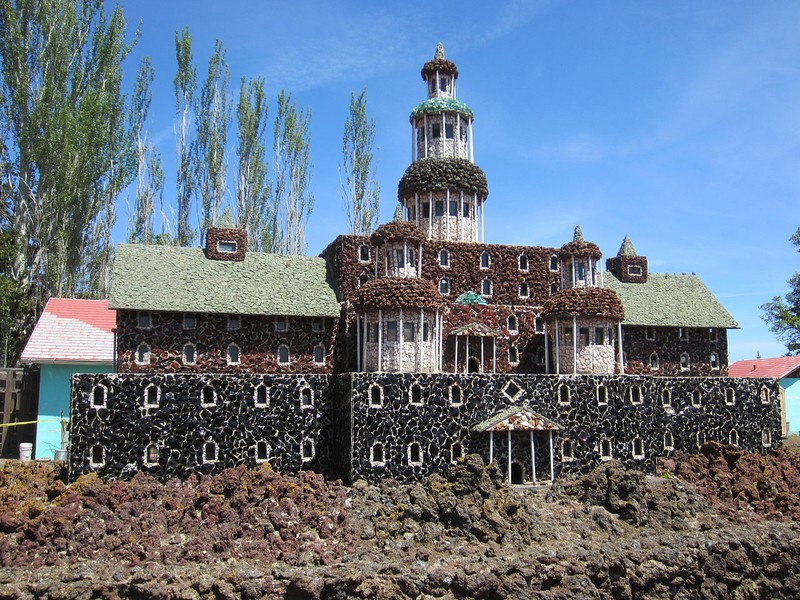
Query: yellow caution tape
[29,422]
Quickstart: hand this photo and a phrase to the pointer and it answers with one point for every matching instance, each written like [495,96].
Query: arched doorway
[473,365]
[517,473]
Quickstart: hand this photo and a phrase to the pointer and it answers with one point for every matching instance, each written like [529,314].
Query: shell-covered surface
[592,301]
[439,174]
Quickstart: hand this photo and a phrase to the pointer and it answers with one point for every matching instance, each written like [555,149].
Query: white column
[358,343]
[406,266]
[457,140]
[420,335]
[558,348]
[442,138]
[400,337]
[552,459]
[471,144]
[619,345]
[574,344]
[419,260]
[430,215]
[364,349]
[466,352]
[483,222]
[546,349]
[455,360]
[481,369]
[475,216]
[440,318]
[417,216]
[494,355]
[533,457]
[509,457]
[446,219]
[413,141]
[380,340]
[491,447]
[460,216]
[425,134]
[574,281]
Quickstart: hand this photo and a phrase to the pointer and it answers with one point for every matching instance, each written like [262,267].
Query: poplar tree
[783,314]
[291,198]
[359,186]
[65,152]
[213,119]
[184,83]
[252,183]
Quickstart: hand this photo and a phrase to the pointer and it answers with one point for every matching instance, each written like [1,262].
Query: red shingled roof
[72,331]
[775,368]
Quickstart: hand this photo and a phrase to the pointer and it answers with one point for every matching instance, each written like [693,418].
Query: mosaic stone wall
[256,338]
[669,347]
[220,235]
[116,418]
[619,266]
[436,422]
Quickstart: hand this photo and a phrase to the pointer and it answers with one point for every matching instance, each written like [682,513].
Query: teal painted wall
[53,399]
[792,390]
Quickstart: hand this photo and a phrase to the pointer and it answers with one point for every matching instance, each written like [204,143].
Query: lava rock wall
[668,346]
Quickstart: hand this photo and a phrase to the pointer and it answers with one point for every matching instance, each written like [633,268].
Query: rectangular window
[143,320]
[281,324]
[439,208]
[227,247]
[634,270]
[453,208]
[683,334]
[599,336]
[567,333]
[189,321]
[448,131]
[391,331]
[318,324]
[426,209]
[584,336]
[465,209]
[399,258]
[650,333]
[408,332]
[233,322]
[443,84]
[425,332]
[436,131]
[712,335]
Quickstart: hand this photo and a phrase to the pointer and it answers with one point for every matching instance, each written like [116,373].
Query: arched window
[564,394]
[513,355]
[208,397]
[523,289]
[363,253]
[283,354]
[486,287]
[713,360]
[553,288]
[375,395]
[319,354]
[363,278]
[97,456]
[602,394]
[414,454]
[456,452]
[685,361]
[697,398]
[766,438]
[730,396]
[486,260]
[99,395]
[566,450]
[152,395]
[636,395]
[764,393]
[142,354]
[444,258]
[210,452]
[444,285]
[733,437]
[151,454]
[455,394]
[666,398]
[307,450]
[539,324]
[554,263]
[523,262]
[261,395]
[232,354]
[262,451]
[377,454]
[654,361]
[669,442]
[306,397]
[415,394]
[512,323]
[605,450]
[638,448]
[189,354]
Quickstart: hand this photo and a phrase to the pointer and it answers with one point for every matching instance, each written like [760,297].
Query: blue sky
[677,123]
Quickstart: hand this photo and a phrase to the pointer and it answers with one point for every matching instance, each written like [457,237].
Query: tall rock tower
[443,191]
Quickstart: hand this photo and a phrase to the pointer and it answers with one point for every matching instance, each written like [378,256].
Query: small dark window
[391,331]
[539,324]
[233,322]
[452,208]
[262,395]
[436,131]
[638,448]
[307,397]
[227,247]
[513,355]
[455,394]
[553,288]
[669,442]
[457,451]
[318,324]
[426,209]
[281,324]
[512,323]
[486,287]
[262,451]
[152,396]
[283,354]
[444,258]
[415,453]
[144,320]
[654,361]
[377,453]
[523,262]
[444,285]
[605,449]
[599,336]
[583,333]
[363,253]
[319,354]
[99,396]
[439,206]
[308,450]
[685,361]
[554,263]
[409,332]
[375,396]
[712,335]
[399,258]
[210,452]
[764,395]
[98,455]
[233,354]
[523,290]
[714,360]
[563,394]
[189,354]
[602,395]
[151,455]
[636,395]
[143,354]
[465,209]
[650,333]
[189,321]
[730,396]
[733,438]
[683,334]
[634,270]
[448,131]
[486,260]
[208,396]
[666,398]
[416,394]
[364,278]
[566,450]
[697,398]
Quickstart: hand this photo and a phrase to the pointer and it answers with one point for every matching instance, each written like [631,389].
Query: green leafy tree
[291,198]
[213,119]
[252,184]
[184,82]
[359,186]
[66,148]
[783,314]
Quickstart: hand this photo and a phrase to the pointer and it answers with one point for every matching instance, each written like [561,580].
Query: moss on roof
[168,278]
[669,300]
[440,104]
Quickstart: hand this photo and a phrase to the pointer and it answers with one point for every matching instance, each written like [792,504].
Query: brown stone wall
[669,347]
[222,234]
[619,267]
[343,257]
[256,337]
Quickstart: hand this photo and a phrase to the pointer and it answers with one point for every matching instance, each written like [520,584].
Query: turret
[627,266]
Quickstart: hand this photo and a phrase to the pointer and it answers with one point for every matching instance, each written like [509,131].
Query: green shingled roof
[166,278]
[668,300]
[439,104]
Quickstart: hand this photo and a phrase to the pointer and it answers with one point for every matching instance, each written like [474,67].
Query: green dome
[433,106]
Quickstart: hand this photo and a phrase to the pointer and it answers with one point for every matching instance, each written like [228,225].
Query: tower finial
[439,51]
[627,249]
[226,220]
[578,236]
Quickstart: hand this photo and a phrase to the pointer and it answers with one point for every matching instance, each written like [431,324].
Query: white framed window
[377,455]
[666,398]
[364,253]
[567,454]
[513,355]
[455,394]
[650,333]
[319,354]
[210,452]
[523,289]
[486,260]
[700,438]
[208,396]
[712,334]
[151,455]
[415,394]
[637,447]
[683,334]
[99,396]
[189,355]
[375,396]
[143,354]
[144,319]
[444,258]
[306,397]
[669,441]
[262,451]
[414,454]
[318,324]
[764,394]
[553,288]
[97,456]
[522,262]
[697,398]
[234,322]
[307,450]
[486,287]
[554,263]
[733,437]
[636,394]
[444,286]
[189,321]
[363,278]
[713,360]
[606,452]
[233,354]
[511,324]
[227,246]
[512,390]
[261,395]
[456,451]
[564,394]
[634,270]
[283,354]
[281,324]
[684,361]
[152,395]
[654,361]
[539,324]
[730,396]
[602,395]
[766,438]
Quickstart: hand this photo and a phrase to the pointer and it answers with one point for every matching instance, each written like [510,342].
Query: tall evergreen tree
[184,82]
[252,183]
[359,186]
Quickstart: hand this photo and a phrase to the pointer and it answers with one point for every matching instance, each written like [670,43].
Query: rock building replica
[395,354]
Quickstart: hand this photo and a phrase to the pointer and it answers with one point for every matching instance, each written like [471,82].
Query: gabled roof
[475,329]
[516,418]
[72,331]
[169,278]
[669,300]
[773,368]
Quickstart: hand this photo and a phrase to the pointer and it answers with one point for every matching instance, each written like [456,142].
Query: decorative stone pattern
[628,269]
[596,346]
[397,292]
[433,212]
[418,355]
[584,301]
[256,338]
[441,174]
[668,345]
[181,425]
[226,243]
